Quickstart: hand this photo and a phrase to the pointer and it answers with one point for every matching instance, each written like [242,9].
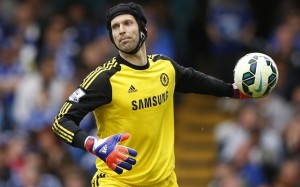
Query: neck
[138,59]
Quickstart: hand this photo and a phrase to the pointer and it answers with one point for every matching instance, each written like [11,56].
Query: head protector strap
[137,12]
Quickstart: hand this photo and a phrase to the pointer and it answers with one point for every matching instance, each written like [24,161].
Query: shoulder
[159,57]
[101,74]
[108,67]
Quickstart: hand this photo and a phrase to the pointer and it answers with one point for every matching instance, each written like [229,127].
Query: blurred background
[48,46]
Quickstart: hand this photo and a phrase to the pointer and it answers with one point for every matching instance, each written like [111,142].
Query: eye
[115,26]
[128,22]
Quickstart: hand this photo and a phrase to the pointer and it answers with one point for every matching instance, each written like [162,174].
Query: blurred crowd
[48,46]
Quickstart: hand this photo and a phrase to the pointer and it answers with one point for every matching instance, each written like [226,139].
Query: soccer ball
[256,74]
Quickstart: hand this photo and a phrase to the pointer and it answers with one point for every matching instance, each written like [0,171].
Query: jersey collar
[123,61]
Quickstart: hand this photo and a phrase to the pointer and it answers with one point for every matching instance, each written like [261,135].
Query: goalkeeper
[131,97]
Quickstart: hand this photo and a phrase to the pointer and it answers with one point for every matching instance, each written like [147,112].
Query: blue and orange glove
[116,157]
[237,94]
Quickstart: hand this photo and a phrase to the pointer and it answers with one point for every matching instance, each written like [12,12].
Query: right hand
[115,156]
[237,94]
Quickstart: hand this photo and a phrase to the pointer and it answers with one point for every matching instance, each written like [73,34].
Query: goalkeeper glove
[237,94]
[115,156]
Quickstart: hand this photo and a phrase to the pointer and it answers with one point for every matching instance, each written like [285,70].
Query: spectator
[288,175]
[230,27]
[252,128]
[35,111]
[291,137]
[74,177]
[59,42]
[10,75]
[284,46]
[81,23]
[226,175]
[27,33]
[276,109]
[295,100]
[248,170]
[32,173]
[160,38]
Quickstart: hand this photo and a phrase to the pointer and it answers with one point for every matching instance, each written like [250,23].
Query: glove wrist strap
[90,143]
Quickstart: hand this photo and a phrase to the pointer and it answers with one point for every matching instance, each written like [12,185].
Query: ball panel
[249,81]
[247,75]
[253,68]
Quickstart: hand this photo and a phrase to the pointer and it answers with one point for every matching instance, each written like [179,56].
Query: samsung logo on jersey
[149,101]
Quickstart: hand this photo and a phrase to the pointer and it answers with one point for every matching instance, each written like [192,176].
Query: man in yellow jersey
[131,97]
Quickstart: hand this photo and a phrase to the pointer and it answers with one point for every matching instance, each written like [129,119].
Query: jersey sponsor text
[149,101]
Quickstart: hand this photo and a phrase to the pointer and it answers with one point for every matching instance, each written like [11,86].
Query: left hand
[116,157]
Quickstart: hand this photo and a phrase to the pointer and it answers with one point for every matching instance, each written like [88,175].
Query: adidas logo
[132,89]
[103,149]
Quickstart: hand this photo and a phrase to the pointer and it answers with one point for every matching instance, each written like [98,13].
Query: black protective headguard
[137,12]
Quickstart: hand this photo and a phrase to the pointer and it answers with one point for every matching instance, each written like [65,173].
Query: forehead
[121,18]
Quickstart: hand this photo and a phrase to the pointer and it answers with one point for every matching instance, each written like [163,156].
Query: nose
[121,29]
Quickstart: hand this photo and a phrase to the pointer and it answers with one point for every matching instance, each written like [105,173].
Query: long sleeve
[94,92]
[188,80]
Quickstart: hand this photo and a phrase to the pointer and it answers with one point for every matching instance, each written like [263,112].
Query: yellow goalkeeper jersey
[142,104]
[138,100]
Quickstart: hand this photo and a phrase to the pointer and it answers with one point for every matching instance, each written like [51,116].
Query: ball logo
[259,89]
[164,79]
